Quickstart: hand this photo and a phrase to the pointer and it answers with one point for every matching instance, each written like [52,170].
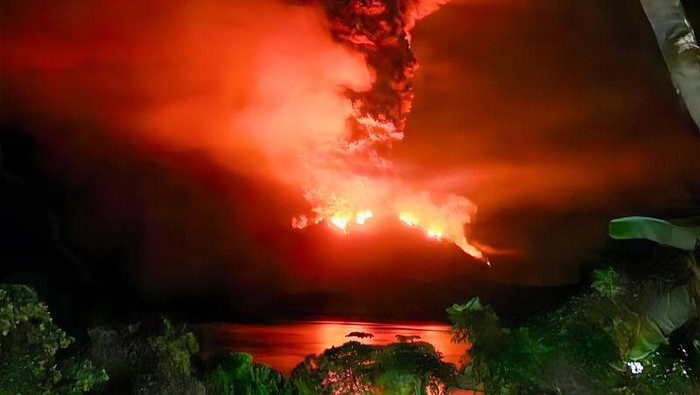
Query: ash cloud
[175,125]
[138,107]
[542,114]
[213,76]
[553,119]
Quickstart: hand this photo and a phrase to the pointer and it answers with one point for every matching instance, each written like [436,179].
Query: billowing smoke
[312,95]
[349,180]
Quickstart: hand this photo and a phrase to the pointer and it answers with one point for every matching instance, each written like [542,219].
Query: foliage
[666,313]
[345,369]
[235,373]
[29,343]
[174,347]
[477,323]
[607,282]
[80,375]
[412,368]
[354,368]
[662,373]
[584,346]
[171,371]
[147,363]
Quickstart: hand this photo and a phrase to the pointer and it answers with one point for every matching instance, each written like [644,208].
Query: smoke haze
[179,128]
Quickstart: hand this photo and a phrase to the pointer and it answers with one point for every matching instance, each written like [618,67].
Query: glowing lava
[435,234]
[361,217]
[408,219]
[346,179]
[340,223]
[327,104]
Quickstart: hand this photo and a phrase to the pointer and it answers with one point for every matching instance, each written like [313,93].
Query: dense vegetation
[623,335]
[36,356]
[610,339]
[355,368]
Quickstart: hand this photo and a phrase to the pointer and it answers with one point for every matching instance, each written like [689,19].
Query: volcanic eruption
[310,95]
[348,180]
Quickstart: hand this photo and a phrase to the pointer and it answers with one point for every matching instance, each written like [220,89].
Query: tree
[585,346]
[29,343]
[360,335]
[154,360]
[607,283]
[235,373]
[355,368]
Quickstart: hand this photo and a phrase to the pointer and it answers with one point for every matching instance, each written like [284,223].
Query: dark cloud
[551,117]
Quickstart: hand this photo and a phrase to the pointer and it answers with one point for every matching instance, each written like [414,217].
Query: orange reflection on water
[283,346]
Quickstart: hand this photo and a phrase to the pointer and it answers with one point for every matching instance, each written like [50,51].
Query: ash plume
[309,95]
[380,30]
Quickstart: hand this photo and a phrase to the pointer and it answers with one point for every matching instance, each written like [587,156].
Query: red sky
[551,117]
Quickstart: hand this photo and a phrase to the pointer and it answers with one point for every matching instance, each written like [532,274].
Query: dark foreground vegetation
[606,340]
[38,357]
[633,331]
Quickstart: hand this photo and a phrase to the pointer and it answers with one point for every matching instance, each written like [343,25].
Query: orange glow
[300,222]
[340,223]
[435,234]
[342,170]
[283,346]
[446,222]
[261,87]
[361,217]
[408,219]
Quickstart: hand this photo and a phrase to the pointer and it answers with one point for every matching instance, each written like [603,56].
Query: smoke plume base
[348,181]
[312,96]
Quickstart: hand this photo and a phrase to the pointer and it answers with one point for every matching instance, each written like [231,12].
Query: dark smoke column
[350,180]
[380,30]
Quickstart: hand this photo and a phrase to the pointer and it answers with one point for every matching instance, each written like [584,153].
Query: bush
[147,363]
[355,368]
[29,343]
[586,346]
[235,373]
[607,282]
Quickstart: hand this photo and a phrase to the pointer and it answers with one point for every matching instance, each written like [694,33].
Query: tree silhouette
[360,335]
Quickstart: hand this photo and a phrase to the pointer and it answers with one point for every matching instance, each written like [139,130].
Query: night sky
[553,117]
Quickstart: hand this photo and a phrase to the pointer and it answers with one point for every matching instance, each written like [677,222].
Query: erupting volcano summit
[347,179]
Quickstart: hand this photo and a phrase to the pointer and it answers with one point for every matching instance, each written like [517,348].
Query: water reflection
[283,346]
